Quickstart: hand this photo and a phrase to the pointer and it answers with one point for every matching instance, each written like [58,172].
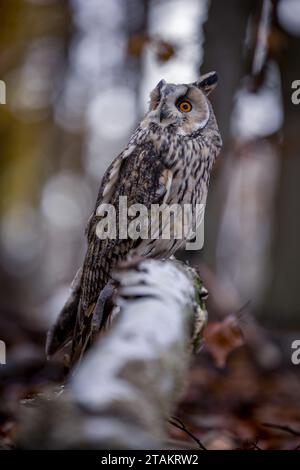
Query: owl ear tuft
[160,84]
[158,87]
[155,94]
[207,82]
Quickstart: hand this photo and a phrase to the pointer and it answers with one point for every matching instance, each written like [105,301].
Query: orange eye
[185,106]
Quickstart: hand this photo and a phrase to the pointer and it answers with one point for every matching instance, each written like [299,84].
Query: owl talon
[103,306]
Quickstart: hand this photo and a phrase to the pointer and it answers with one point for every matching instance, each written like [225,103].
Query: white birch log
[128,383]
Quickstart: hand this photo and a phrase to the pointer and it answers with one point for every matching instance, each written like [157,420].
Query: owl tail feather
[82,333]
[61,333]
[92,321]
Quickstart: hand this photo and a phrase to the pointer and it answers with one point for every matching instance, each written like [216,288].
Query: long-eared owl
[168,160]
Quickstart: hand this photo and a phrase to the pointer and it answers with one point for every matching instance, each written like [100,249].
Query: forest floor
[241,406]
[230,402]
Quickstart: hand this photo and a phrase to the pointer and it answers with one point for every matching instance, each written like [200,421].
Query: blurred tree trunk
[136,30]
[34,38]
[224,51]
[225,31]
[282,303]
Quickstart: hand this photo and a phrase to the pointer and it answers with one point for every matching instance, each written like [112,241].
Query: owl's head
[185,106]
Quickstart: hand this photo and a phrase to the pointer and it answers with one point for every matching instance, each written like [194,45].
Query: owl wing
[108,186]
[140,175]
[61,333]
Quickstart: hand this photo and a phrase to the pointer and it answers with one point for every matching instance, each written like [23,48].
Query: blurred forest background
[78,74]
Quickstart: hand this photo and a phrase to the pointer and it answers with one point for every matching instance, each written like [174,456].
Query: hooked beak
[163,114]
